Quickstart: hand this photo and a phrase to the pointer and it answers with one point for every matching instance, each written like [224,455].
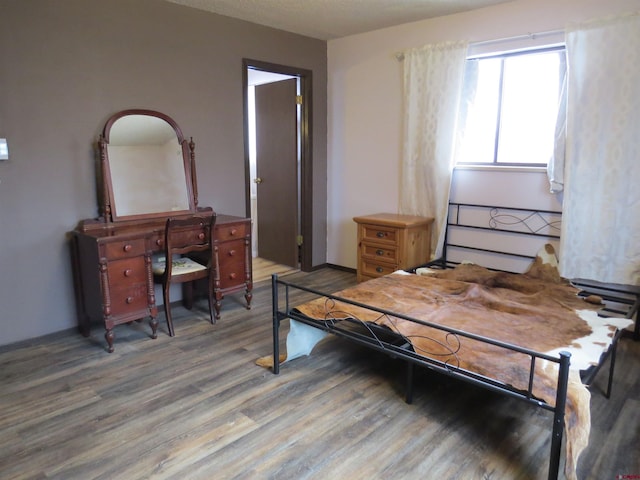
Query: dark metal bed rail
[400,348]
[619,300]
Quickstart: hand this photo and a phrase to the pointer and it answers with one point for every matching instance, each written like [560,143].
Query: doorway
[277,140]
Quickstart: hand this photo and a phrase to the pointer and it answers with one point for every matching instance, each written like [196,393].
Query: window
[512,108]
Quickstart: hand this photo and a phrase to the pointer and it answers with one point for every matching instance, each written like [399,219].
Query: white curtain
[433,79]
[601,208]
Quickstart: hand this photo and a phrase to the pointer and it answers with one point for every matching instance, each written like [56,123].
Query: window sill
[502,168]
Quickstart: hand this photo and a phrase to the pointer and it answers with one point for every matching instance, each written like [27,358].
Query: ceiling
[330,19]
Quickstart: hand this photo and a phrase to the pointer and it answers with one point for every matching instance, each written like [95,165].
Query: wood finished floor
[197,407]
[262,269]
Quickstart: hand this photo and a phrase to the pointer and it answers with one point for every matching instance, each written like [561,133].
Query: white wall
[365,112]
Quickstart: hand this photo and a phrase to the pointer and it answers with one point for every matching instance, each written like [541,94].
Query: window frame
[559,47]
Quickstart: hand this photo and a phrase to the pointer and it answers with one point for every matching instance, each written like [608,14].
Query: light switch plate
[4,149]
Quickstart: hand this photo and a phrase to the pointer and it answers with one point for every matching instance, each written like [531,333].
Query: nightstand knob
[379,269]
[380,234]
[380,252]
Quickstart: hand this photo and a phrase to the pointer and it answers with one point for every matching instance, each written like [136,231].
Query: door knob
[257,180]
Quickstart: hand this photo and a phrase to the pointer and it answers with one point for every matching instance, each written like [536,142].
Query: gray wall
[67,65]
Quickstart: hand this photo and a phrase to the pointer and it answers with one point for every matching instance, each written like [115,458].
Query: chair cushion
[179,266]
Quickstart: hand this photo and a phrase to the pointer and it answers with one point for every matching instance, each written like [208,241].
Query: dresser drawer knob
[127,247]
[128,272]
[233,231]
[232,276]
[379,269]
[159,242]
[129,300]
[201,236]
[232,253]
[379,234]
[380,252]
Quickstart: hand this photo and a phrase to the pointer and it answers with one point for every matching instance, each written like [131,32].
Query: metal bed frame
[502,220]
[378,339]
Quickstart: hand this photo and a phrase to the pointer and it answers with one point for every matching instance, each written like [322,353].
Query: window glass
[483,115]
[511,113]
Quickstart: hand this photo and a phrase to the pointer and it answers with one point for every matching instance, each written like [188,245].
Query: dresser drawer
[376,269]
[232,275]
[231,231]
[188,237]
[230,252]
[380,234]
[129,301]
[377,252]
[156,241]
[124,249]
[126,271]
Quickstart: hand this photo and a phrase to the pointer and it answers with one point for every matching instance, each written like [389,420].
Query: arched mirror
[147,167]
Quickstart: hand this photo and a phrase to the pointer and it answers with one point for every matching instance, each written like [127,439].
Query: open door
[277,171]
[281,161]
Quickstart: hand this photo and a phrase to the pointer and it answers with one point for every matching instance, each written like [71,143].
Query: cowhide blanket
[537,310]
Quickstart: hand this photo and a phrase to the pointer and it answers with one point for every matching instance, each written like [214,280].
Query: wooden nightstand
[389,242]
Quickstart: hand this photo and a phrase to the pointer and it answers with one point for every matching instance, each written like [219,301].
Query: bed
[481,325]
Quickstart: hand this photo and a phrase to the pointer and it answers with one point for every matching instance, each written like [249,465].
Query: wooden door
[277,171]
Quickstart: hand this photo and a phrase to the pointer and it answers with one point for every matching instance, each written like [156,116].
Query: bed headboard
[499,238]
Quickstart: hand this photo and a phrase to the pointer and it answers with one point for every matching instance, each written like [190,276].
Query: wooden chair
[183,237]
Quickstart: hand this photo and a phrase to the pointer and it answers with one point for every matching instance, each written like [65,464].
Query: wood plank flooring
[197,407]
[263,269]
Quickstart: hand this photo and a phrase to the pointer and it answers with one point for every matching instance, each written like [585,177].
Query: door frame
[306,163]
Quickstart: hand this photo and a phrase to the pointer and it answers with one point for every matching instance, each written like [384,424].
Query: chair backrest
[188,235]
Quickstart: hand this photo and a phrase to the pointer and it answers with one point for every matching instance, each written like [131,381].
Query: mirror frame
[107,207]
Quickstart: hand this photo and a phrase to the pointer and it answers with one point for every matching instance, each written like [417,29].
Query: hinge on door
[298,99]
[299,240]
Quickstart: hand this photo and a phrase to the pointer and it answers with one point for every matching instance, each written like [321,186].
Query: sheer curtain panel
[601,206]
[433,78]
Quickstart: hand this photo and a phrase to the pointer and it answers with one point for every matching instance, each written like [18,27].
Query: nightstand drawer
[380,234]
[376,269]
[377,252]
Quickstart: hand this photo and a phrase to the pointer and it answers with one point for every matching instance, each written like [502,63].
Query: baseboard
[340,267]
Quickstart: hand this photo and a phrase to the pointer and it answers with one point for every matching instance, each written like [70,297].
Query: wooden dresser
[147,174]
[388,242]
[112,266]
